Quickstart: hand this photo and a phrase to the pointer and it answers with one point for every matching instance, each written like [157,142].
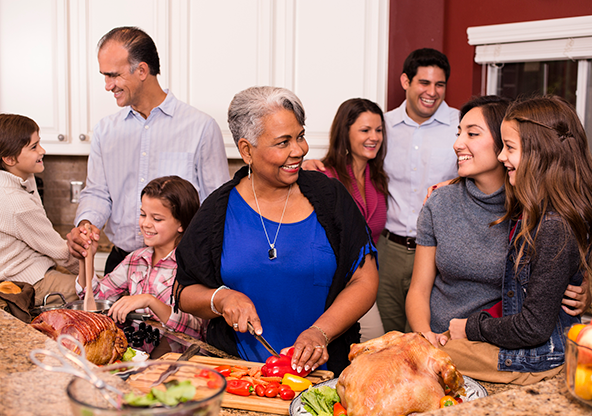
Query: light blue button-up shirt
[128,151]
[418,156]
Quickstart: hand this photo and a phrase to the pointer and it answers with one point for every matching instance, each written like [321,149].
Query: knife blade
[191,351]
[262,340]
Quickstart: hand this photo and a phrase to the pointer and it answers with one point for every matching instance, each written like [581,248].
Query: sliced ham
[102,340]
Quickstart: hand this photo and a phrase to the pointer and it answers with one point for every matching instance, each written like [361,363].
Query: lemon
[583,382]
[574,331]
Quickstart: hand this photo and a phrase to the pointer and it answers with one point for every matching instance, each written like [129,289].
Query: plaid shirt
[135,275]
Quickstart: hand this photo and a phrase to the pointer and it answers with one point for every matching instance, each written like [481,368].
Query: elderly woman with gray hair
[284,249]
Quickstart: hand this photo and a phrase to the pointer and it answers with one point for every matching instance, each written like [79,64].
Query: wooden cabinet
[326,52]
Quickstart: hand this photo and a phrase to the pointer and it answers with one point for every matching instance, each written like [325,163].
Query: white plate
[473,390]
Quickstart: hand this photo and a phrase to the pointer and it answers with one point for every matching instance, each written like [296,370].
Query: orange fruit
[583,382]
[574,331]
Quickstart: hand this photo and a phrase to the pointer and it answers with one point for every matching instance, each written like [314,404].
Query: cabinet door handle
[61,137]
[82,137]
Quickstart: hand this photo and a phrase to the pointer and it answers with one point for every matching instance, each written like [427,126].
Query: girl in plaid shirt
[147,274]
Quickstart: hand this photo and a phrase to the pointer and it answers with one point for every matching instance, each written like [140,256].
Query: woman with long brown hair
[355,157]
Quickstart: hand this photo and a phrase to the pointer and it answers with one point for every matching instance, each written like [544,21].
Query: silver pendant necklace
[272,252]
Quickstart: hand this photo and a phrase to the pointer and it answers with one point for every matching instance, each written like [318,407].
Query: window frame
[540,40]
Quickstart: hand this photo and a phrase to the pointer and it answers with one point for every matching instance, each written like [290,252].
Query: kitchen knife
[261,340]
[191,351]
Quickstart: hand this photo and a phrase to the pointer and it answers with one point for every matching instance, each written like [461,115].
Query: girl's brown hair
[176,194]
[339,154]
[554,174]
[15,134]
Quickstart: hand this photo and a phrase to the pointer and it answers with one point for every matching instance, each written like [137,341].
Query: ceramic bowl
[86,400]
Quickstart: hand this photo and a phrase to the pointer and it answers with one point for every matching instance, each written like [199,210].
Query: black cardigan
[200,250]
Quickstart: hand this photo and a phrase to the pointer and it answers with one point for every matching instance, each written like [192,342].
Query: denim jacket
[543,357]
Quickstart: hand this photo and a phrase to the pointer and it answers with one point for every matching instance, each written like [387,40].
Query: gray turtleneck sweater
[470,255]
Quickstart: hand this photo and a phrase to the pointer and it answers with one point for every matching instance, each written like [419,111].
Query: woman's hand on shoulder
[577,299]
[310,350]
[434,187]
[313,164]
[437,340]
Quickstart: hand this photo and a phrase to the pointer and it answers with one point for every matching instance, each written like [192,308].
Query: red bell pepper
[278,366]
[338,409]
[239,387]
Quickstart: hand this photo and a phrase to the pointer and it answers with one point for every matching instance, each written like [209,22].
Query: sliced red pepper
[338,409]
[239,387]
[214,384]
[225,370]
[204,374]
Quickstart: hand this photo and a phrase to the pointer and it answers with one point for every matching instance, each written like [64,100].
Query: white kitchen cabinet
[33,64]
[325,51]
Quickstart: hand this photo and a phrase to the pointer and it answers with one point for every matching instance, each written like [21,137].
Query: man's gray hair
[248,108]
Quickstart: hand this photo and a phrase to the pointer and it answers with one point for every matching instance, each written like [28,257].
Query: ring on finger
[235,326]
[320,346]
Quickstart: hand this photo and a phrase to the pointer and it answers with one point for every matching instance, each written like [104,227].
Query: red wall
[442,25]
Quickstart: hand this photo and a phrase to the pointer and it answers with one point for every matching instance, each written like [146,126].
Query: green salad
[319,401]
[176,392]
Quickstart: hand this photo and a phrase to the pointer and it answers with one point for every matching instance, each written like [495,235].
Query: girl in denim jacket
[549,202]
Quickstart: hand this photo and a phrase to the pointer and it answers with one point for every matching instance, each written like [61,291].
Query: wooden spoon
[87,270]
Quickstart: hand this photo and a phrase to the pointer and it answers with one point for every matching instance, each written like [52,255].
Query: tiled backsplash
[59,172]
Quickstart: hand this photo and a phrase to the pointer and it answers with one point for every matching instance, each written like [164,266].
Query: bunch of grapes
[144,334]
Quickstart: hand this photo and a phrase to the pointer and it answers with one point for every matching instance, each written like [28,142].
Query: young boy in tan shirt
[30,248]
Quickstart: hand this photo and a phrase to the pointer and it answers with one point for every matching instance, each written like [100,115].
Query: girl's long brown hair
[554,174]
[339,153]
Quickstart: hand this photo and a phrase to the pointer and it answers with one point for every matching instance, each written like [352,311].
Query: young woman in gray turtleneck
[461,257]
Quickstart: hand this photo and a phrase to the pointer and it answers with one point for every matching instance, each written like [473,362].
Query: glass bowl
[578,370]
[86,400]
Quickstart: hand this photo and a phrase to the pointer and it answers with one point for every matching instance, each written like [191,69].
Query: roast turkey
[102,340]
[396,374]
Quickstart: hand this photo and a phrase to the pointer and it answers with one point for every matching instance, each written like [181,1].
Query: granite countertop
[21,381]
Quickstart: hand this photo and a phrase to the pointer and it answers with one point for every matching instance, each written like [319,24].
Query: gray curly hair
[248,108]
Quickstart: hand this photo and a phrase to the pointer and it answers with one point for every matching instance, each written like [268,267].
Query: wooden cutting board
[253,402]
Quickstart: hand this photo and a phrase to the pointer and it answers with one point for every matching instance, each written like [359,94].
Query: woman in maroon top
[355,157]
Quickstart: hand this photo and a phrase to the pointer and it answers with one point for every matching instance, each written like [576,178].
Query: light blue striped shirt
[418,156]
[128,151]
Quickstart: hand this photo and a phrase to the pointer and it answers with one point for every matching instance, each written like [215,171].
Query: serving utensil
[88,266]
[191,351]
[84,369]
[262,340]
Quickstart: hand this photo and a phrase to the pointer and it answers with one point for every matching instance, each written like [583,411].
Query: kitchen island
[27,390]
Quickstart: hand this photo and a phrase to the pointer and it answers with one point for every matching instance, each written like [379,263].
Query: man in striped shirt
[153,135]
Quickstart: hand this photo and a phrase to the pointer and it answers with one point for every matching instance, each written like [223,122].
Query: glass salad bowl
[578,370]
[190,389]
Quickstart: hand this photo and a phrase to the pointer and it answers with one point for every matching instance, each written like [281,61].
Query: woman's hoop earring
[249,174]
